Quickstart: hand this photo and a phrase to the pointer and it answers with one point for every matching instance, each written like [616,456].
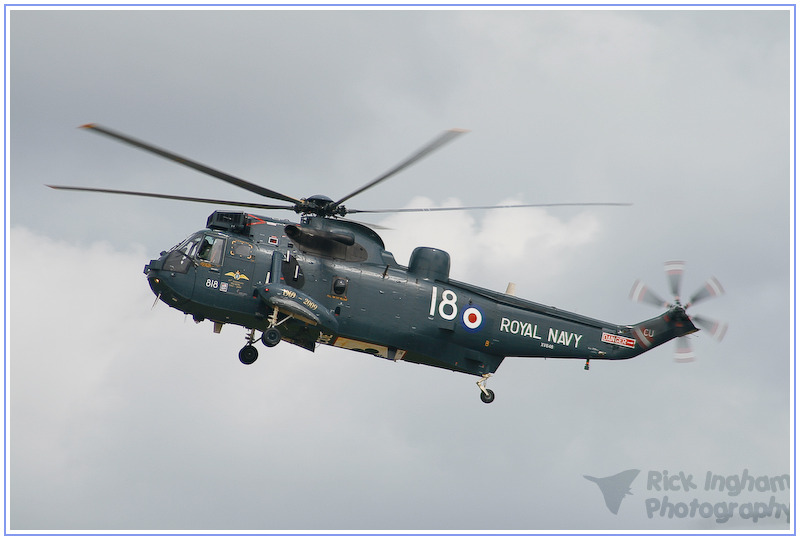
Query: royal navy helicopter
[326,280]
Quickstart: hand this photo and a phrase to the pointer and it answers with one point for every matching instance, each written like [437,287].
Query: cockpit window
[210,250]
[203,249]
[181,256]
[189,246]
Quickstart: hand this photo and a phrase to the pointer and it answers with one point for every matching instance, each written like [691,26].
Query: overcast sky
[124,417]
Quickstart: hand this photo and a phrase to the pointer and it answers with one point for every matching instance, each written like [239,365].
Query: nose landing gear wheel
[248,355]
[271,337]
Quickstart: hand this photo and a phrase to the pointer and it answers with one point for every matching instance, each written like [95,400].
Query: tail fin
[671,324]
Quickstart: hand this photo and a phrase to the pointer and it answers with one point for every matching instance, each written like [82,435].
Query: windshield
[181,255]
[199,249]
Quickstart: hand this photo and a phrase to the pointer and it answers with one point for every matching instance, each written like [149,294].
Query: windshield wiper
[186,255]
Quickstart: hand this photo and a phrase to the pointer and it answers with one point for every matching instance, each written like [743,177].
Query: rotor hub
[320,205]
[677,309]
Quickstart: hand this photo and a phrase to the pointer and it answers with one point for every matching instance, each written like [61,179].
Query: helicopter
[326,280]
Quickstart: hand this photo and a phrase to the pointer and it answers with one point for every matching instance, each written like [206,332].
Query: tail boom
[586,338]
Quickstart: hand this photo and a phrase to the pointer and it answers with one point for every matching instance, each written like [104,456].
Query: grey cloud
[127,418]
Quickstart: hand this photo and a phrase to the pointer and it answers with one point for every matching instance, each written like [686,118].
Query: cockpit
[203,248]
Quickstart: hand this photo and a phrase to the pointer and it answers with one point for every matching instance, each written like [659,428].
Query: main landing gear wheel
[271,337]
[248,355]
[487,396]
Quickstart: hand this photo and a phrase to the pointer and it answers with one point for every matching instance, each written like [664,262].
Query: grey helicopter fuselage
[326,280]
[330,281]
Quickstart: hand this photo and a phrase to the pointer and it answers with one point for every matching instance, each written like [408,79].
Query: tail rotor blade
[711,289]
[683,350]
[715,328]
[674,270]
[641,293]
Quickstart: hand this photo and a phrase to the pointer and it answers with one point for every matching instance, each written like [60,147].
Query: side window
[210,249]
[339,287]
[242,250]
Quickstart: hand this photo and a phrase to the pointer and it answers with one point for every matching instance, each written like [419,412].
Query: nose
[172,287]
[153,272]
[171,277]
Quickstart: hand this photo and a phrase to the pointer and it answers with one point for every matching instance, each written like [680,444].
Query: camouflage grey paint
[339,286]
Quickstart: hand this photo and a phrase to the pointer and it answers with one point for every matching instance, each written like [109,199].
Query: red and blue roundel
[472,318]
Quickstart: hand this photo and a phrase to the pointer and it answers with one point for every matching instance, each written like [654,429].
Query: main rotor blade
[454,208]
[435,144]
[176,197]
[192,164]
[674,270]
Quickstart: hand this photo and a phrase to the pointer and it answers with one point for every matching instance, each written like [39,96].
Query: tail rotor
[712,288]
[674,271]
[715,328]
[683,350]
[641,293]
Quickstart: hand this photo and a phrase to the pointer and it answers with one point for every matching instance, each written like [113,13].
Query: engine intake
[430,263]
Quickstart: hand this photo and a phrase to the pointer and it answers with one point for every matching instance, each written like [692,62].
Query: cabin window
[210,249]
[339,286]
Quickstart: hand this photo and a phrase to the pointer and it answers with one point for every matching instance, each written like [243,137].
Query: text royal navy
[526,329]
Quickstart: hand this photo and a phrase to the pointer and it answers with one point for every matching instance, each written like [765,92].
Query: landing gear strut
[249,354]
[270,338]
[487,396]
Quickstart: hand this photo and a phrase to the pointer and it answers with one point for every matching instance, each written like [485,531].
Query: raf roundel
[472,318]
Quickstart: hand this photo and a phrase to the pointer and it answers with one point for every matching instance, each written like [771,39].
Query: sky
[125,417]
